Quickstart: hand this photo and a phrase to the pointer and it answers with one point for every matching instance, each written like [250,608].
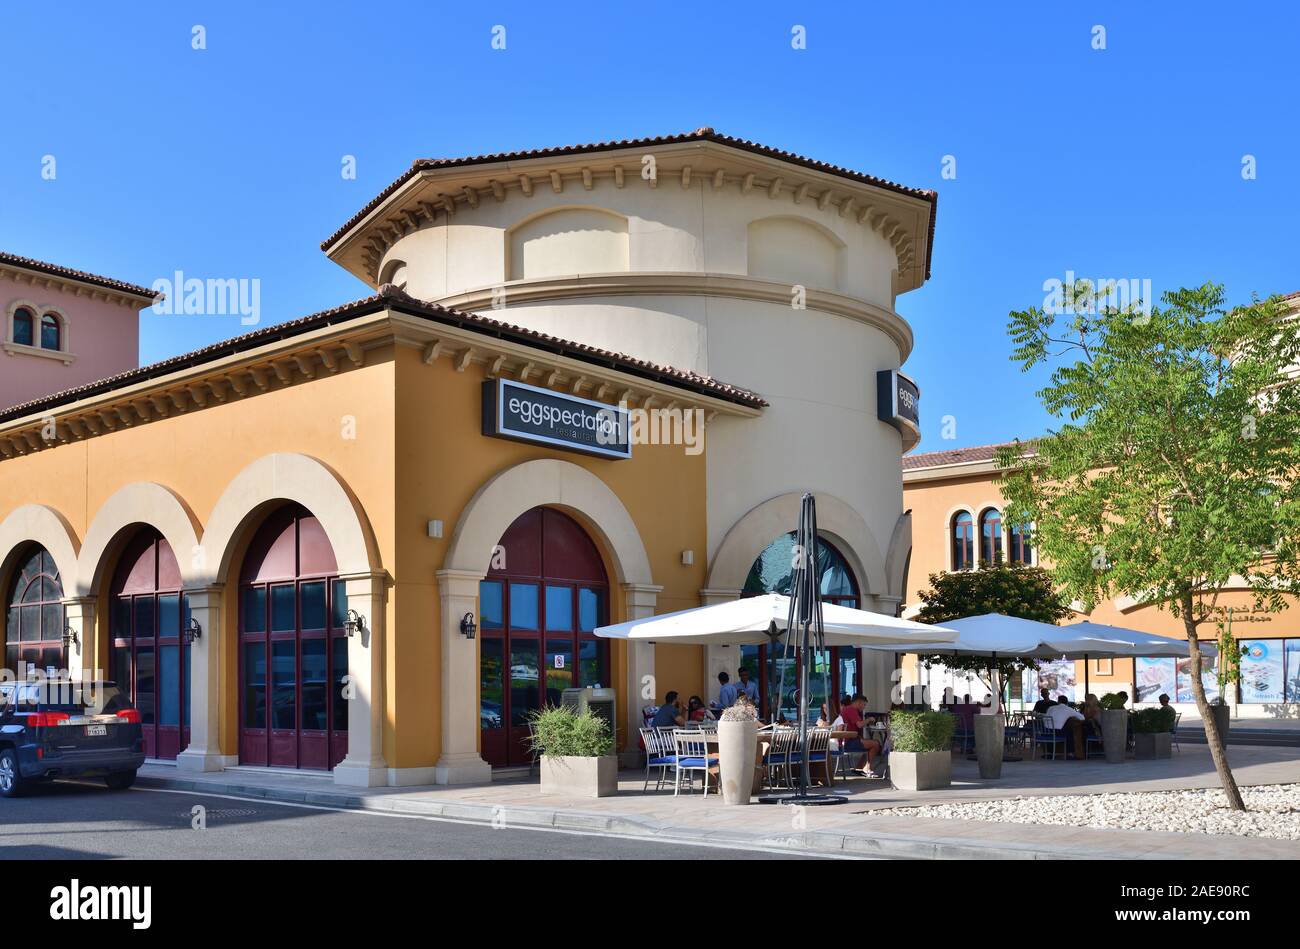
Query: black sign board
[527,413]
[898,400]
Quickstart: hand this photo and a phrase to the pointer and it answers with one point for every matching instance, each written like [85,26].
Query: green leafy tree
[1173,474]
[1009,589]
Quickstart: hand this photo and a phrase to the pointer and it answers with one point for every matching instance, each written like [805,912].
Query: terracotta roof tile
[54,270]
[952,456]
[393,298]
[705,134]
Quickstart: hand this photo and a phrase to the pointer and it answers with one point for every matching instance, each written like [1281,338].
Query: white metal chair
[1173,732]
[657,755]
[778,754]
[692,749]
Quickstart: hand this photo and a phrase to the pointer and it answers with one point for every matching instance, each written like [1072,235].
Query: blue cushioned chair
[692,747]
[658,754]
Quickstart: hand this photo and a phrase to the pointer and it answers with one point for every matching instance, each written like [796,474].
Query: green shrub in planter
[1150,721]
[563,733]
[921,731]
[1111,700]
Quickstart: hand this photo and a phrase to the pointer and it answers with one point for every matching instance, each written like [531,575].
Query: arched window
[545,593]
[51,332]
[963,541]
[293,646]
[991,536]
[1022,550]
[34,616]
[773,572]
[24,327]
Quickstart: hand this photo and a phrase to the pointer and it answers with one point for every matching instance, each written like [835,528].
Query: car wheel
[11,781]
[119,780]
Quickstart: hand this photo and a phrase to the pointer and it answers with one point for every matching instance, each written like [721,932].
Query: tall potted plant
[738,751]
[1114,727]
[576,753]
[921,759]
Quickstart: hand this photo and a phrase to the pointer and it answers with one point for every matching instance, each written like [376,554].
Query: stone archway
[494,507]
[265,484]
[43,525]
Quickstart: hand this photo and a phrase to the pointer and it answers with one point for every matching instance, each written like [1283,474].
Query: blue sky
[224,162]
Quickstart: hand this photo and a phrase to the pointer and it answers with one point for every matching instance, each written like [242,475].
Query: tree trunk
[1212,737]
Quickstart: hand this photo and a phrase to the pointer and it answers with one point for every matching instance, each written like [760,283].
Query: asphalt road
[73,821]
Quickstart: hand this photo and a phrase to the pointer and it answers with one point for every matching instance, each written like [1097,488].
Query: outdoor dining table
[764,741]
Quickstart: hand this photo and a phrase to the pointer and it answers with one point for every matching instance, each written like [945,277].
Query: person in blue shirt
[670,713]
[727,694]
[749,688]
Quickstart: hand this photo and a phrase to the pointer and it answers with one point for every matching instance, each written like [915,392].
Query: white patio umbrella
[755,620]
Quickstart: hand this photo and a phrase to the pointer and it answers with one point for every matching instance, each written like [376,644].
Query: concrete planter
[1223,718]
[1149,745]
[1114,733]
[920,770]
[580,777]
[737,758]
[990,736]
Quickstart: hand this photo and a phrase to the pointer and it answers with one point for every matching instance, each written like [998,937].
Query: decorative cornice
[649,283]
[76,287]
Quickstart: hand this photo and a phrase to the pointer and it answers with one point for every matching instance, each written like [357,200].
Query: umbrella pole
[1086,682]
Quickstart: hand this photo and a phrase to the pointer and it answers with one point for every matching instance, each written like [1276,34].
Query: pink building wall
[101,336]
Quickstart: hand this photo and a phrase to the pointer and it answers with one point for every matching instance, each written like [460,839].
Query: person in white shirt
[1062,717]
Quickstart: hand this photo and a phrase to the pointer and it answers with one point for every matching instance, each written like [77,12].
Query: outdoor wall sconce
[467,626]
[355,623]
[69,636]
[193,631]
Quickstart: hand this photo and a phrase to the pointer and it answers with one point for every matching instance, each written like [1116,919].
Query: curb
[813,843]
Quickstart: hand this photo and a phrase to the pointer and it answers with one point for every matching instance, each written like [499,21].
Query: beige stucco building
[374,539]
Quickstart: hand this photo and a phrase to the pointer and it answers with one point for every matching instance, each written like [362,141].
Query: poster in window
[1262,670]
[1209,679]
[1058,676]
[1293,670]
[1154,677]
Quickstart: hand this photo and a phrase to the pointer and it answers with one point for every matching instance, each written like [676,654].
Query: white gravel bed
[1273,811]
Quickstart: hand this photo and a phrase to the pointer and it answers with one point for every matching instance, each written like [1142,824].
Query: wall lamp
[69,636]
[467,626]
[193,631]
[355,623]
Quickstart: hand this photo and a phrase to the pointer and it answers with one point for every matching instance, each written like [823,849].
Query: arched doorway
[544,595]
[148,655]
[34,618]
[772,572]
[293,647]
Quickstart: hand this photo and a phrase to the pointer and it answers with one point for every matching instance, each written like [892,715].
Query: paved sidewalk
[845,830]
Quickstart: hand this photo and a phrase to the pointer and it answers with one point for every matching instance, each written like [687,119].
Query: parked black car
[63,729]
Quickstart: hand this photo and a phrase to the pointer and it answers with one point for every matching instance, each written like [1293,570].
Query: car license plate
[93,730]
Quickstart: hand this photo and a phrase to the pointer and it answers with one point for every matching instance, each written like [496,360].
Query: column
[719,658]
[79,616]
[640,602]
[364,764]
[459,761]
[204,750]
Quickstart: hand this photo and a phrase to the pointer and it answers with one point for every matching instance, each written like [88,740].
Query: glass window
[491,608]
[254,685]
[185,689]
[773,571]
[559,608]
[145,685]
[120,666]
[1262,670]
[315,682]
[963,541]
[524,681]
[312,596]
[169,616]
[991,536]
[284,685]
[169,689]
[1021,549]
[1293,670]
[523,606]
[559,668]
[491,684]
[144,617]
[255,610]
[120,619]
[593,662]
[339,651]
[589,614]
[51,335]
[24,326]
[283,619]
[339,611]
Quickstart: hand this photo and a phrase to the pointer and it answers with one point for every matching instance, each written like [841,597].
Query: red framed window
[51,332]
[34,619]
[1021,548]
[24,327]
[963,541]
[991,536]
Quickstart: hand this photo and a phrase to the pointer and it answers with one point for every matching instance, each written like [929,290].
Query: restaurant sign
[527,413]
[898,401]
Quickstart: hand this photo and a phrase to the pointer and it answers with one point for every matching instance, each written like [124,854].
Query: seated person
[1163,699]
[1044,703]
[1062,717]
[854,720]
[669,714]
[697,711]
